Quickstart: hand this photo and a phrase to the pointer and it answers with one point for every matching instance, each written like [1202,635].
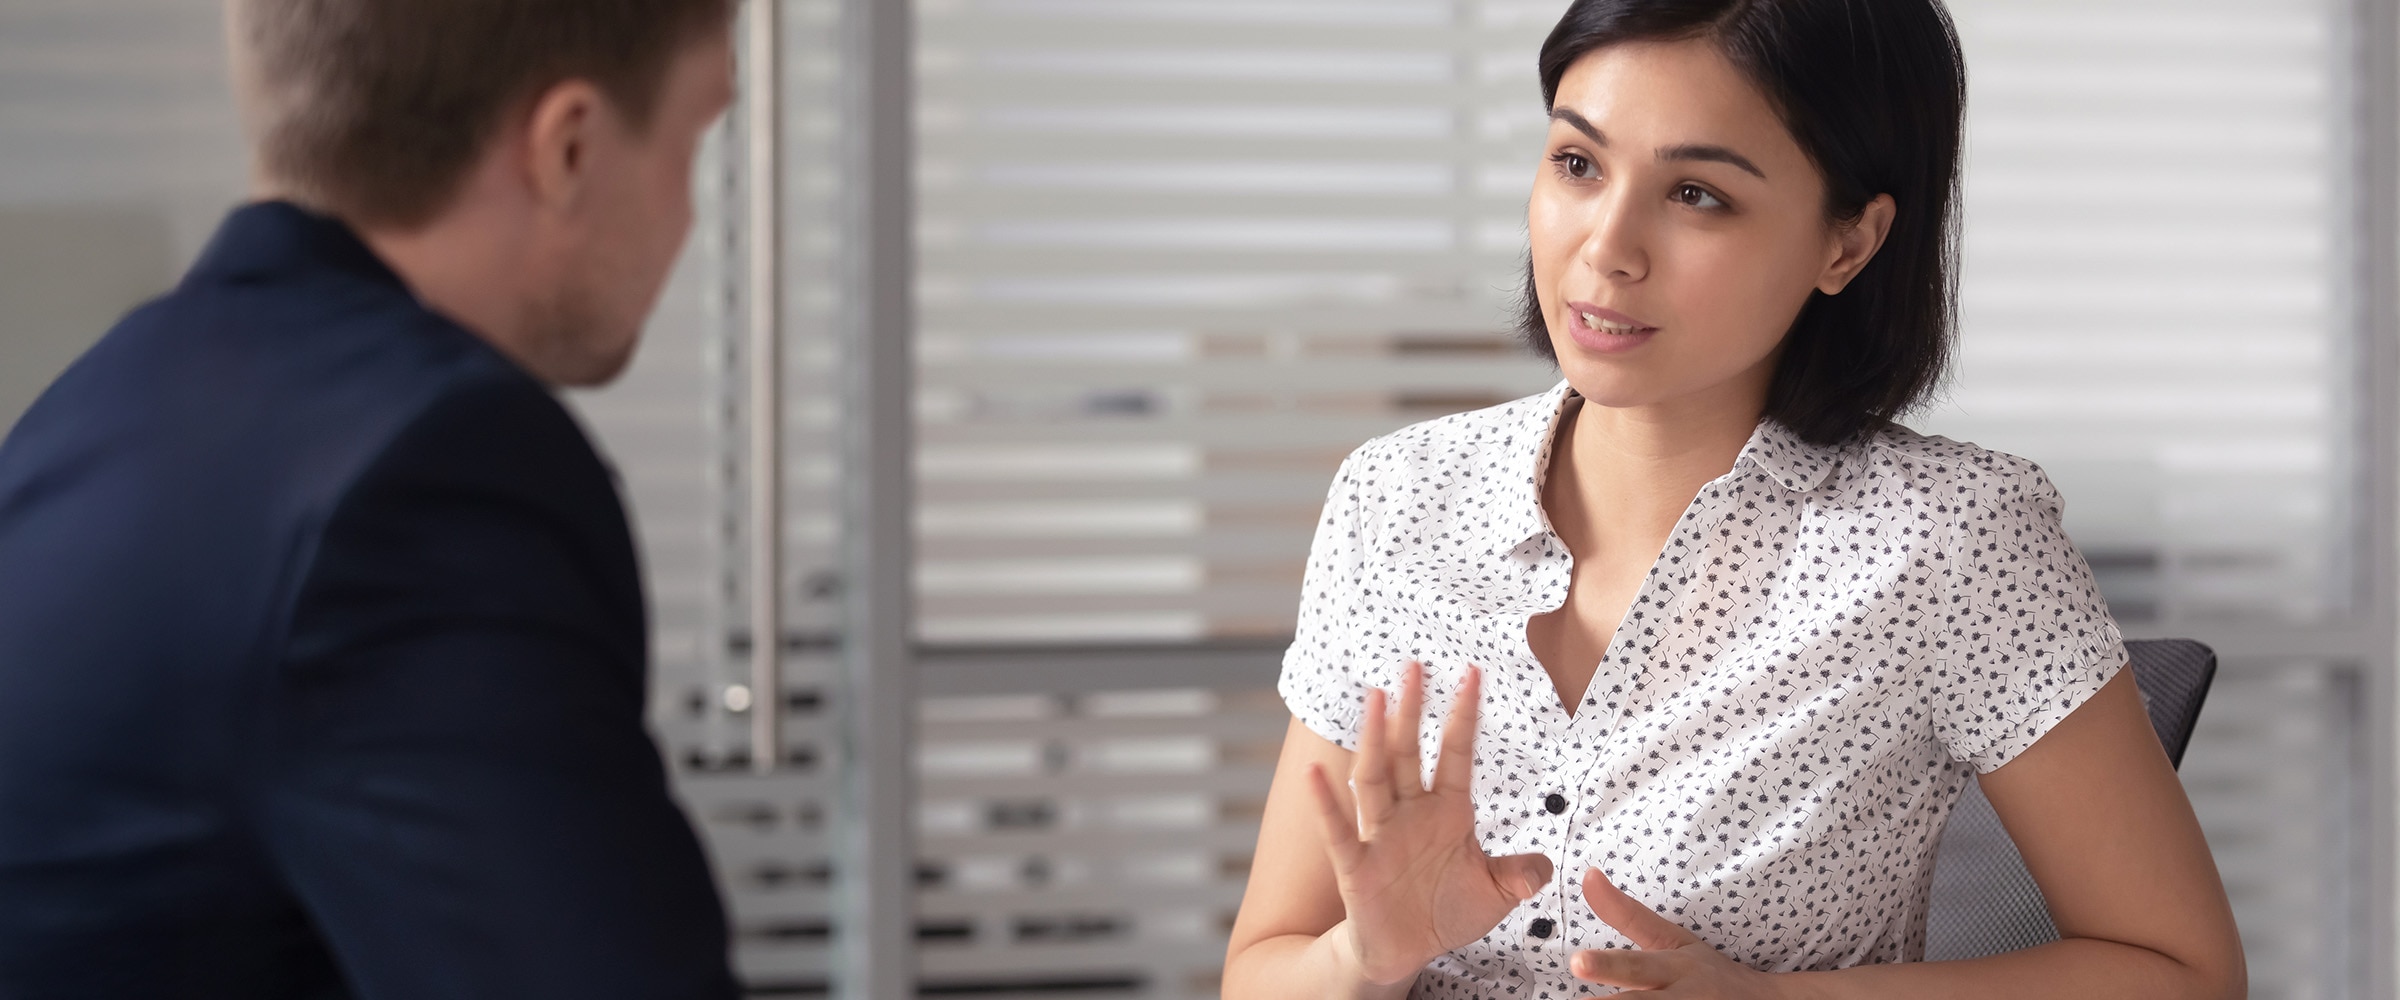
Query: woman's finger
[1639,970]
[1370,775]
[1341,830]
[1407,756]
[1640,925]
[1520,875]
[1455,771]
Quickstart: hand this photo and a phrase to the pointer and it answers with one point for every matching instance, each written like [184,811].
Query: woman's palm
[1413,879]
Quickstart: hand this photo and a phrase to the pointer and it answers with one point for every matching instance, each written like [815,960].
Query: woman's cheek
[1739,307]
[1552,242]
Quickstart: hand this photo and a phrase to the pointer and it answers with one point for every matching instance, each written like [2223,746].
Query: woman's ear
[1855,243]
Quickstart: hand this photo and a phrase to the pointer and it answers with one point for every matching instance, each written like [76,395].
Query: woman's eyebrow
[1687,152]
[1580,123]
[1710,154]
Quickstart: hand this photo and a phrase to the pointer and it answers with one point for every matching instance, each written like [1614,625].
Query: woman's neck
[1625,474]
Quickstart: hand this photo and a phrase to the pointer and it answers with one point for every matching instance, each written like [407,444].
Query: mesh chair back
[1984,901]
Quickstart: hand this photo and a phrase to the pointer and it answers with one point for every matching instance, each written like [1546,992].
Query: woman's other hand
[1672,961]
[1413,879]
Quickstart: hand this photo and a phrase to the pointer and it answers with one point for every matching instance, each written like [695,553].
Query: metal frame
[763,122]
[875,842]
[2377,277]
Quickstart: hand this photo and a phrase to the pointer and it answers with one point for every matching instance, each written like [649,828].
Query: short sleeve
[2023,638]
[1321,684]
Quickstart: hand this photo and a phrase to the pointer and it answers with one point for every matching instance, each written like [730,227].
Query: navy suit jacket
[322,663]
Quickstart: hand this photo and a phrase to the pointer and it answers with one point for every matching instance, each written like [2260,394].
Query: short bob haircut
[1873,91]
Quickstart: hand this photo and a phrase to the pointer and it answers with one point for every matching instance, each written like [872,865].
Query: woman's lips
[1605,331]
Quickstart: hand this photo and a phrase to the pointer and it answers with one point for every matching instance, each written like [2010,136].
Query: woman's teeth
[1604,326]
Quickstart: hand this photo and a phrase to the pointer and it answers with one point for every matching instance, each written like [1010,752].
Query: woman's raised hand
[1414,882]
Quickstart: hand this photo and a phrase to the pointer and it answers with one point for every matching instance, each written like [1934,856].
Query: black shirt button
[1540,928]
[1556,803]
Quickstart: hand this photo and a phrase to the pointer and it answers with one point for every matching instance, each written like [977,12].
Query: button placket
[1552,928]
[1545,934]
[1632,658]
[1542,931]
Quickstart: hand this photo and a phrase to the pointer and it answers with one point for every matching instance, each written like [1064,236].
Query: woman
[1709,644]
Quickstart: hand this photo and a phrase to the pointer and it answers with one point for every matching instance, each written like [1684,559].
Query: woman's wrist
[1797,986]
[1342,939]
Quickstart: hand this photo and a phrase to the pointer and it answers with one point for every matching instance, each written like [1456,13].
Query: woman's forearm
[1302,967]
[2071,968]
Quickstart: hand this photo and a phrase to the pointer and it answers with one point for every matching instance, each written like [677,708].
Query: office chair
[1984,901]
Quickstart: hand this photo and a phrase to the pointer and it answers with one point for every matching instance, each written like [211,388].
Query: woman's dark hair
[1873,91]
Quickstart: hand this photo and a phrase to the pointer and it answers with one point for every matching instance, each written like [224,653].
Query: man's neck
[456,272]
[471,266]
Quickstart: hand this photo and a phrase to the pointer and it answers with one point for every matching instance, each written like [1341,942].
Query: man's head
[524,164]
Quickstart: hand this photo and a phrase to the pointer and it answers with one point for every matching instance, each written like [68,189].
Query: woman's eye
[1577,165]
[1696,196]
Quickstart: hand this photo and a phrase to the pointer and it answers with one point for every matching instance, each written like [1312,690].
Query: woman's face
[1677,229]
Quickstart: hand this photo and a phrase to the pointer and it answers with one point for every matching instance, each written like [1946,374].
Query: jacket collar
[273,238]
[1518,519]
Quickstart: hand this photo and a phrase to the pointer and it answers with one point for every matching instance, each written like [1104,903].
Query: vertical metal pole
[762,98]
[875,932]
[2377,190]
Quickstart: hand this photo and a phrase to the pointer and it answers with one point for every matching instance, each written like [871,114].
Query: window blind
[2157,303]
[1177,259]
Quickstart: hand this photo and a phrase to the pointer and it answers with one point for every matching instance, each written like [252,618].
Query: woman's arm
[2107,832]
[2105,829]
[1354,889]
[1285,940]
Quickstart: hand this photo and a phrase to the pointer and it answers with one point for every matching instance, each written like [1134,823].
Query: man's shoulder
[498,431]
[234,374]
[162,505]
[206,443]
[489,504]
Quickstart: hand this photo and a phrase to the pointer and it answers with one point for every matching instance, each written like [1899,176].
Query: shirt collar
[270,238]
[1794,464]
[1773,449]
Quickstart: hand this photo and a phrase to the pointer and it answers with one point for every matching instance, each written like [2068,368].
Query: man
[322,648]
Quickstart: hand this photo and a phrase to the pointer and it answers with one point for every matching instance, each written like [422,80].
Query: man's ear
[1855,243]
[559,134]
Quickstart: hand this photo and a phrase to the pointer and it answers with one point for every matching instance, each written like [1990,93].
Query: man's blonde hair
[374,110]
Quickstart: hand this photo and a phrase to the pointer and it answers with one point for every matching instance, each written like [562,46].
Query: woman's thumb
[1521,875]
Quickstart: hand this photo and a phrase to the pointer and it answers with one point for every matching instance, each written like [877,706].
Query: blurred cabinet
[66,274]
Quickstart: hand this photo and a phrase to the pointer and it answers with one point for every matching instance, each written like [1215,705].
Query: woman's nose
[1617,247]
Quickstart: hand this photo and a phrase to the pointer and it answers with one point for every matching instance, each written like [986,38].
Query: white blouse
[1831,639]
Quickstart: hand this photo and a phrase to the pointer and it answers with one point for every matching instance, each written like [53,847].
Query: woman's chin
[1607,382]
